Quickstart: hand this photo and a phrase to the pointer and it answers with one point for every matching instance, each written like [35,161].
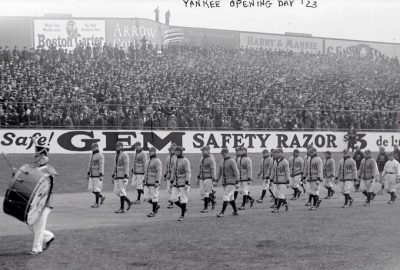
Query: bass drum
[27,196]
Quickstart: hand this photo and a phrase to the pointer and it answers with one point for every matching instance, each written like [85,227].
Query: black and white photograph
[199,134]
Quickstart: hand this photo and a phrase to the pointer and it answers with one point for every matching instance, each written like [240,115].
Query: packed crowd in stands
[182,86]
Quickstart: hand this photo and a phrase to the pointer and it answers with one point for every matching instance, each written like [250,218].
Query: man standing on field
[139,160]
[120,176]
[367,174]
[229,172]
[246,171]
[206,177]
[169,164]
[181,175]
[281,176]
[381,160]
[152,179]
[314,174]
[357,156]
[329,174]
[391,174]
[296,166]
[306,184]
[238,157]
[264,173]
[95,175]
[347,173]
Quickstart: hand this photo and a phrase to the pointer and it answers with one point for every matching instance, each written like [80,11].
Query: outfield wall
[65,141]
[67,32]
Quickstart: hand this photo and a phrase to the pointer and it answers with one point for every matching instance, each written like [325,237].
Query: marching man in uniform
[367,174]
[169,164]
[246,171]
[265,171]
[296,166]
[139,160]
[206,177]
[95,175]
[314,174]
[180,178]
[357,156]
[152,179]
[280,174]
[229,172]
[329,174]
[306,184]
[40,234]
[237,160]
[381,160]
[272,186]
[120,176]
[391,174]
[347,173]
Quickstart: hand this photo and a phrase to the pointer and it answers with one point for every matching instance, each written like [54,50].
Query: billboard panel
[79,141]
[16,32]
[123,32]
[67,34]
[362,48]
[281,42]
[210,37]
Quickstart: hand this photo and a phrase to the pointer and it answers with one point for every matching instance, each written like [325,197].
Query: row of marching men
[306,174]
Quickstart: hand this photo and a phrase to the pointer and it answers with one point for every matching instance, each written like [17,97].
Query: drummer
[40,234]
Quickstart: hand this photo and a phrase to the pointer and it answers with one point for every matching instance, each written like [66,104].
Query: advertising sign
[79,141]
[281,42]
[362,48]
[123,32]
[67,34]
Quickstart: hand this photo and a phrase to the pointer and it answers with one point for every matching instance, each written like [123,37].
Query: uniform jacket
[347,169]
[121,165]
[50,170]
[368,169]
[181,172]
[96,165]
[392,167]
[139,161]
[280,173]
[153,171]
[296,166]
[207,167]
[169,165]
[329,168]
[313,169]
[229,172]
[266,167]
[381,160]
[245,169]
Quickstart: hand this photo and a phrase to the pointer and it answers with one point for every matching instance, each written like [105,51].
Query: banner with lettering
[67,34]
[362,49]
[281,42]
[123,32]
[79,141]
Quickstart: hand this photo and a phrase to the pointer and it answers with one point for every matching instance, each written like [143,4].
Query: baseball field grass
[329,238]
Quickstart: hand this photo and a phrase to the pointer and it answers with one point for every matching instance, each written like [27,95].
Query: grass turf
[328,238]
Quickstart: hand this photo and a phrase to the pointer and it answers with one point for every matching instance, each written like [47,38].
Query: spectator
[293,91]
[172,122]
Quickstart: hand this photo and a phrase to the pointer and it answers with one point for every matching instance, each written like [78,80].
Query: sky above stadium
[371,20]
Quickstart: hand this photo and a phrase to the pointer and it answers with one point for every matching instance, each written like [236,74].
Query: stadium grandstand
[163,79]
